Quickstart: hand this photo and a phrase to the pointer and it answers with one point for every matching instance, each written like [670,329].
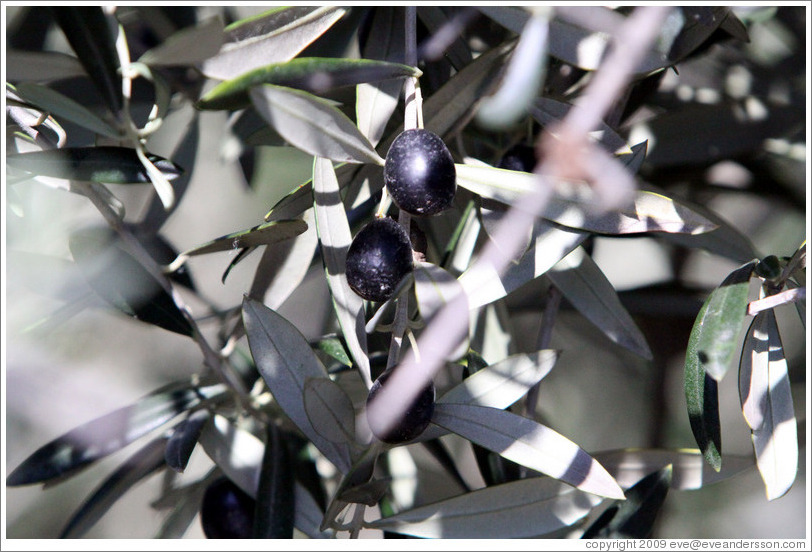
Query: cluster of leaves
[294,76]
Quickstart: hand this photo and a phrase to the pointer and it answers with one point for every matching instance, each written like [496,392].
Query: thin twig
[793,295]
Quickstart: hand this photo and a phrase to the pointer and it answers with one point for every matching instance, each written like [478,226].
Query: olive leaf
[187,46]
[286,361]
[521,509]
[41,66]
[184,437]
[330,410]
[68,454]
[316,75]
[106,164]
[527,443]
[435,288]
[271,37]
[262,234]
[274,516]
[313,125]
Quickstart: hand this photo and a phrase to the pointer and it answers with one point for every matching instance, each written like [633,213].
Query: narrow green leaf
[635,517]
[335,238]
[702,398]
[768,407]
[528,443]
[713,342]
[690,470]
[75,450]
[275,509]
[107,164]
[501,384]
[90,36]
[313,125]
[187,46]
[330,410]
[590,292]
[285,361]
[263,234]
[520,509]
[316,75]
[183,440]
[140,465]
[271,37]
[63,107]
[333,347]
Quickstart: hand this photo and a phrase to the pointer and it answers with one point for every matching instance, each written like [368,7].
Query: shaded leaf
[263,234]
[634,518]
[285,361]
[528,443]
[272,37]
[592,294]
[63,107]
[187,46]
[41,66]
[484,285]
[713,342]
[315,75]
[702,398]
[520,509]
[183,440]
[690,470]
[335,238]
[767,405]
[501,384]
[118,278]
[107,164]
[185,510]
[330,410]
[275,506]
[140,465]
[359,474]
[547,112]
[66,455]
[90,36]
[313,125]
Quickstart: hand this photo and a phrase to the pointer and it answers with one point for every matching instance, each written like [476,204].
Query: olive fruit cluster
[227,512]
[419,173]
[413,422]
[380,255]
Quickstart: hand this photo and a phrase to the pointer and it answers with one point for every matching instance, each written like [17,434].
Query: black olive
[419,173]
[379,257]
[227,512]
[520,157]
[414,421]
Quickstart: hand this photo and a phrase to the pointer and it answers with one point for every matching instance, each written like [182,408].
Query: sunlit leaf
[63,107]
[183,440]
[140,465]
[271,37]
[90,36]
[767,405]
[313,125]
[528,443]
[690,470]
[108,164]
[590,292]
[286,361]
[520,509]
[263,234]
[187,46]
[90,442]
[335,238]
[315,75]
[333,347]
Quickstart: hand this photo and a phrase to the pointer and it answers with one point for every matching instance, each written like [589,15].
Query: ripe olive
[380,255]
[227,512]
[520,157]
[419,173]
[414,421]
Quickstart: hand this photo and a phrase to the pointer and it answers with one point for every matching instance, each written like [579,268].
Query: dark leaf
[702,398]
[90,36]
[184,438]
[263,234]
[316,75]
[105,164]
[274,514]
[78,448]
[139,466]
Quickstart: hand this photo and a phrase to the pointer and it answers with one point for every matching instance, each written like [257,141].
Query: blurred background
[73,368]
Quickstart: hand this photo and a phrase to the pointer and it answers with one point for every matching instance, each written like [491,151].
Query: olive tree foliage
[569,128]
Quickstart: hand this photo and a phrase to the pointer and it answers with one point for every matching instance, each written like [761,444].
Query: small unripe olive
[227,512]
[520,157]
[379,256]
[419,173]
[413,422]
